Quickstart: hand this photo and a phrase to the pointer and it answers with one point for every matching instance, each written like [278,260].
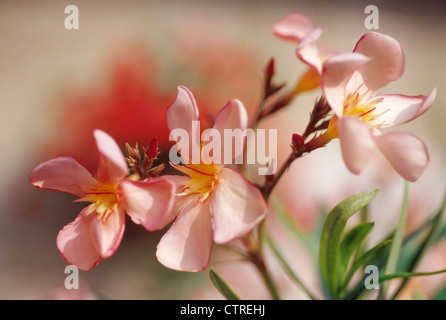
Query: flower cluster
[208,202]
[349,82]
[97,231]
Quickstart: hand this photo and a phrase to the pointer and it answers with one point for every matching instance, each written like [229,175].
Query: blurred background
[119,72]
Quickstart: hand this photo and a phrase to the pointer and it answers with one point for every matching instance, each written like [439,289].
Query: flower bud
[152,151]
[297,143]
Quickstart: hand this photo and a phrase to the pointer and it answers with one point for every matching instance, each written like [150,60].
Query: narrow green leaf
[427,242]
[395,249]
[351,242]
[387,277]
[309,239]
[222,286]
[364,260]
[410,240]
[287,267]
[331,236]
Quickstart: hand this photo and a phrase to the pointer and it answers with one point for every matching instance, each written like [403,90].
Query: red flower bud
[152,151]
[297,142]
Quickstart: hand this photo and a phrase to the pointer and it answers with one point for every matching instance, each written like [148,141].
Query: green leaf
[332,231]
[395,249]
[425,245]
[387,277]
[287,267]
[222,286]
[352,241]
[409,250]
[365,259]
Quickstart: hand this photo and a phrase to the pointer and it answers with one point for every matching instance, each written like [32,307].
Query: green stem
[315,143]
[259,262]
[268,281]
[270,186]
[267,189]
[287,268]
[397,242]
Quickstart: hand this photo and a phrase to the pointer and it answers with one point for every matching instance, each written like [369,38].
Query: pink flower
[97,231]
[298,28]
[349,83]
[293,27]
[214,203]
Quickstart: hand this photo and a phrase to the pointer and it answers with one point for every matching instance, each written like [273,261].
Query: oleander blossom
[98,230]
[298,29]
[349,82]
[214,203]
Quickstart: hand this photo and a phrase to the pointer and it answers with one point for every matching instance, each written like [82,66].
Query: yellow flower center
[355,105]
[104,198]
[203,178]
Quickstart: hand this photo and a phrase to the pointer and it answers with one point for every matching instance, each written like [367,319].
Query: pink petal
[182,116]
[75,244]
[234,119]
[112,166]
[236,206]
[357,143]
[62,174]
[180,201]
[148,203]
[406,153]
[107,235]
[387,59]
[183,111]
[292,27]
[186,246]
[232,116]
[178,180]
[308,52]
[336,72]
[397,109]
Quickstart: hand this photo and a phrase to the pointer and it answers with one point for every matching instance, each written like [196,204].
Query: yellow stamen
[357,105]
[203,178]
[104,198]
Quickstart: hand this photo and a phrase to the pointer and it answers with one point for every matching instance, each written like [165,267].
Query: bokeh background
[119,73]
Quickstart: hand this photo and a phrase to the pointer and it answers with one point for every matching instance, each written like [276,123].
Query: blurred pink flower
[127,103]
[130,100]
[97,231]
[293,27]
[349,82]
[214,203]
[208,70]
[299,29]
